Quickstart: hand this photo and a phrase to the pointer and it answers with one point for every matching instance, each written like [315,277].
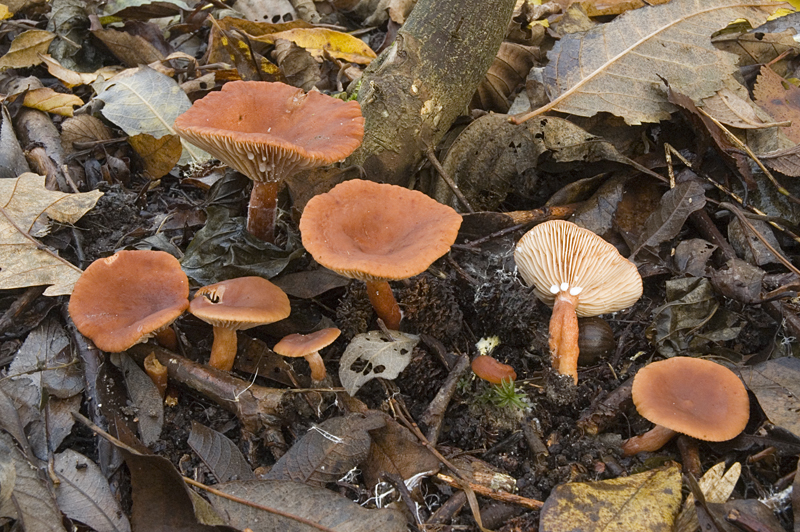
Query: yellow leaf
[50,101]
[317,40]
[68,77]
[25,49]
[4,12]
[646,501]
[159,155]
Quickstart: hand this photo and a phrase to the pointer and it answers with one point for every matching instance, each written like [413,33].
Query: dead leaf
[297,65]
[273,11]
[144,398]
[780,99]
[645,501]
[84,494]
[82,129]
[130,105]
[599,8]
[131,50]
[717,486]
[50,101]
[144,9]
[508,71]
[25,49]
[785,161]
[28,206]
[749,246]
[755,47]
[12,160]
[328,450]
[734,111]
[70,78]
[319,41]
[776,385]
[397,451]
[319,505]
[308,284]
[692,256]
[225,461]
[615,67]
[158,155]
[372,355]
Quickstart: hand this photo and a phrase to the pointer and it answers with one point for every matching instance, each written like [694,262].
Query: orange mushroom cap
[559,256]
[490,369]
[270,130]
[696,397]
[369,231]
[122,300]
[300,345]
[240,304]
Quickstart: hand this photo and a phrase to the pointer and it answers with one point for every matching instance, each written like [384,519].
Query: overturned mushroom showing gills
[377,233]
[268,131]
[237,305]
[696,397]
[126,298]
[578,274]
[308,347]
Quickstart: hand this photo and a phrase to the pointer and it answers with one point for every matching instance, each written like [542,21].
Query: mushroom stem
[261,211]
[318,371]
[652,440]
[223,351]
[385,305]
[167,338]
[157,373]
[564,348]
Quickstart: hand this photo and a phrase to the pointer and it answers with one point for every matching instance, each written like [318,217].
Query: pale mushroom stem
[157,373]
[564,348]
[223,351]
[385,305]
[318,371]
[262,208]
[650,441]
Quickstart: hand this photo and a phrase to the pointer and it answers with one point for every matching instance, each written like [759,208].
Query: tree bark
[412,93]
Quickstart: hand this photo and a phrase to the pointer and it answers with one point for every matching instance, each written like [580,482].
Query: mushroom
[376,233]
[578,274]
[268,131]
[124,299]
[237,305]
[491,370]
[696,397]
[308,347]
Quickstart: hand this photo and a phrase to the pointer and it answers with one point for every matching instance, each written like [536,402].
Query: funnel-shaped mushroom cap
[300,345]
[240,304]
[124,299]
[269,130]
[558,254]
[692,396]
[368,231]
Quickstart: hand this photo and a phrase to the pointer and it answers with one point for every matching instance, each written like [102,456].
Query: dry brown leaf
[82,128]
[227,44]
[615,67]
[507,72]
[785,161]
[776,385]
[755,48]
[297,65]
[27,206]
[68,77]
[717,486]
[780,99]
[599,8]
[25,49]
[50,101]
[319,41]
[159,155]
[132,50]
[734,111]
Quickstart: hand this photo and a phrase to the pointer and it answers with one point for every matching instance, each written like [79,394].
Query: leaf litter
[712,289]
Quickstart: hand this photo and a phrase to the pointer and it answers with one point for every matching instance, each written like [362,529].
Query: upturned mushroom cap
[300,345]
[240,304]
[124,299]
[270,130]
[490,369]
[692,396]
[561,256]
[371,231]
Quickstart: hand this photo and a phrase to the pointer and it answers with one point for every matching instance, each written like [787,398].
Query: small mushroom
[491,370]
[124,299]
[376,233]
[578,274]
[268,131]
[237,305]
[308,347]
[696,397]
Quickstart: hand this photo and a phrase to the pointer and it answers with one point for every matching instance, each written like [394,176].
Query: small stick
[531,504]
[447,179]
[434,414]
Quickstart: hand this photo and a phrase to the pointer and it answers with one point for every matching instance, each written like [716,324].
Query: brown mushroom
[491,370]
[308,347]
[578,274]
[376,233]
[237,305]
[696,397]
[124,299]
[268,131]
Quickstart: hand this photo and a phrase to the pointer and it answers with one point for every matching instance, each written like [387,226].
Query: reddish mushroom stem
[261,210]
[223,350]
[652,440]
[564,348]
[385,305]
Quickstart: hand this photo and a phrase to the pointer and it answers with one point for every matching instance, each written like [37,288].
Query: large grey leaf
[84,495]
[372,355]
[615,67]
[219,453]
[776,384]
[316,504]
[145,397]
